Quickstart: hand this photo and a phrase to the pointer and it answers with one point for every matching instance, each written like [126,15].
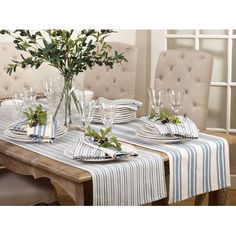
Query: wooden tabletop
[11,152]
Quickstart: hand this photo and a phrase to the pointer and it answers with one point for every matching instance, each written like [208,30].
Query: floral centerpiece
[69,52]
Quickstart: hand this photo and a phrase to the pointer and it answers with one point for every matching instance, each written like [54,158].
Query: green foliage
[70,53]
[165,117]
[102,138]
[37,116]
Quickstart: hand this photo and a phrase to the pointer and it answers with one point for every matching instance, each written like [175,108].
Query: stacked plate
[126,110]
[21,134]
[148,133]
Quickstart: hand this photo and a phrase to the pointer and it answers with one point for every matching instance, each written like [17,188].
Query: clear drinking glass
[107,114]
[19,101]
[87,113]
[176,99]
[156,97]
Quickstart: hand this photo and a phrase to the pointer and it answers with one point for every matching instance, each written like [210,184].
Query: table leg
[218,197]
[199,199]
[79,200]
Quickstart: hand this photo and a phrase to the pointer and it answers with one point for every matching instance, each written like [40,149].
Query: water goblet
[176,100]
[156,97]
[87,113]
[107,114]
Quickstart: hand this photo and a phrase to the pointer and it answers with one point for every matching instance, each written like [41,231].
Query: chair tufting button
[123,69]
[189,69]
[114,80]
[202,57]
[178,79]
[168,90]
[197,80]
[107,89]
[108,69]
[184,114]
[15,77]
[164,54]
[194,104]
[122,90]
[6,88]
[97,78]
[171,68]
[182,56]
[186,91]
[161,77]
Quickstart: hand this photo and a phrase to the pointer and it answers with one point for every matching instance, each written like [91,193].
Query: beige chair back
[22,78]
[115,83]
[191,70]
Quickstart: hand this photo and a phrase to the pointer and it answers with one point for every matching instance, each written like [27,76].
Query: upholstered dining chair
[115,83]
[18,189]
[191,70]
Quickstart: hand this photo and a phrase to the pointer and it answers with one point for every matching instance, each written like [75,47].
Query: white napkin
[186,129]
[121,103]
[44,133]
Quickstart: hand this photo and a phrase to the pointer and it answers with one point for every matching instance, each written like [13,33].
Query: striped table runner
[128,182]
[196,166]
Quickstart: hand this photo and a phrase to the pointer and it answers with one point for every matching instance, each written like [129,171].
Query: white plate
[162,139]
[69,153]
[25,138]
[142,133]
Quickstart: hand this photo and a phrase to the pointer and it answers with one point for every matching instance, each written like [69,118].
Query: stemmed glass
[156,97]
[176,100]
[87,113]
[19,103]
[107,114]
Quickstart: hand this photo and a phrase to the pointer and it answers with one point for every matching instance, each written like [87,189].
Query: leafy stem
[102,138]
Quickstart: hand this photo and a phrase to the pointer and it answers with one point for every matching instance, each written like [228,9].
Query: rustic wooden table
[75,182]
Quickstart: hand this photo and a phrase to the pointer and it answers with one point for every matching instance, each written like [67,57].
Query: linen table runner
[196,166]
[128,182]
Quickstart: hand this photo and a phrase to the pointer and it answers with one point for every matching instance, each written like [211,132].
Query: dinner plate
[25,138]
[69,152]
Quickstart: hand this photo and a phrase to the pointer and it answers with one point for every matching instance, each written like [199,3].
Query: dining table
[77,182]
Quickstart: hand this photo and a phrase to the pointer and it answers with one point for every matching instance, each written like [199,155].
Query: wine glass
[107,114]
[87,113]
[19,101]
[156,97]
[176,100]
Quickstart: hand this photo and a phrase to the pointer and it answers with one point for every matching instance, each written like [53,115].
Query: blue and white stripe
[136,181]
[186,129]
[197,166]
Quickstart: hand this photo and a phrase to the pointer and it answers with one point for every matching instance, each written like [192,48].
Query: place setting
[97,144]
[34,122]
[164,125]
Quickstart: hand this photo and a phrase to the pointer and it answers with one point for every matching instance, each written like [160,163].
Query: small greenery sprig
[37,116]
[102,138]
[165,117]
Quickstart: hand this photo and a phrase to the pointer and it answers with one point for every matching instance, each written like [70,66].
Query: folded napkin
[129,103]
[19,126]
[186,129]
[45,133]
[85,150]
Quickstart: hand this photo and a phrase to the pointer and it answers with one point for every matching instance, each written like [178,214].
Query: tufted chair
[114,83]
[17,189]
[191,70]
[22,78]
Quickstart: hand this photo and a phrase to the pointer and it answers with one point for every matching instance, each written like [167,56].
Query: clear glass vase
[68,103]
